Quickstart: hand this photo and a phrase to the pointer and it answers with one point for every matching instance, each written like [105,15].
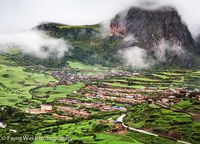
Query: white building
[45,107]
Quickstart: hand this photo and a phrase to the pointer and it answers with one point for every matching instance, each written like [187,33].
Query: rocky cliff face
[160,34]
[197,44]
[150,27]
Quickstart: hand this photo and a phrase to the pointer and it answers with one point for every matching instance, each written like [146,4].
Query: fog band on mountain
[34,42]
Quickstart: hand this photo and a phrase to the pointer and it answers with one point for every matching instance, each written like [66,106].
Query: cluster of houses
[132,99]
[74,111]
[61,117]
[121,90]
[172,96]
[49,109]
[97,105]
[167,97]
[67,77]
[117,73]
[44,108]
[167,101]
[74,77]
[113,94]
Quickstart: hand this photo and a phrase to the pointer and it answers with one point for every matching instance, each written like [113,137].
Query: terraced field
[83,129]
[178,121]
[160,80]
[56,92]
[140,94]
[15,83]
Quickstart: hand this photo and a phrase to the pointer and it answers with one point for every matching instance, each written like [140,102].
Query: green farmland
[15,83]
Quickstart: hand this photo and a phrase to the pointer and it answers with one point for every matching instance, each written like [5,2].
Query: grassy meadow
[15,83]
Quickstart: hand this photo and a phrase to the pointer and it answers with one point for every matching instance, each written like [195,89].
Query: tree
[76,142]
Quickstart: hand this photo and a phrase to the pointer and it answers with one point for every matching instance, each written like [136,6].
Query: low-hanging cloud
[35,43]
[129,40]
[135,57]
[165,46]
[17,15]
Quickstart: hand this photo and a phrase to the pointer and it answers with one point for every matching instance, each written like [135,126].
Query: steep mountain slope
[197,44]
[70,32]
[151,27]
[161,33]
[88,45]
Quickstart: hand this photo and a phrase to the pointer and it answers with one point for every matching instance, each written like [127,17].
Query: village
[111,95]
[101,98]
[94,105]
[103,92]
[70,75]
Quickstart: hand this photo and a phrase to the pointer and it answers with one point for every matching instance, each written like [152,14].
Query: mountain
[70,32]
[150,27]
[160,32]
[197,43]
[88,45]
